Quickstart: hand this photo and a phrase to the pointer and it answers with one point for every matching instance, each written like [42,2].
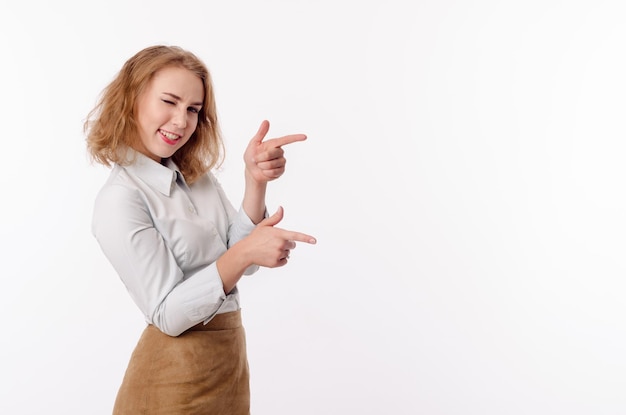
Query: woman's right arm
[168,298]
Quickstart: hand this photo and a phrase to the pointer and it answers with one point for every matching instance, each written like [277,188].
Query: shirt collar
[156,175]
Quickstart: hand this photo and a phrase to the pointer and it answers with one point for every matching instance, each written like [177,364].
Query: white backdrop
[464,176]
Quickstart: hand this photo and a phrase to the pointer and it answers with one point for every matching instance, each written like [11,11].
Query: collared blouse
[163,237]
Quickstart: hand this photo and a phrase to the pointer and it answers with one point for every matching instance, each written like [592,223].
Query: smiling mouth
[168,137]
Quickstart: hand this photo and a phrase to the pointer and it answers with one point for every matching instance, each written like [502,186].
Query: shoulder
[120,189]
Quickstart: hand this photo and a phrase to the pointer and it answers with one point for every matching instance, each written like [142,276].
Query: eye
[193,110]
[168,102]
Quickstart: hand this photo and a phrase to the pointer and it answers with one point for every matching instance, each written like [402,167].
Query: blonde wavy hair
[111,126]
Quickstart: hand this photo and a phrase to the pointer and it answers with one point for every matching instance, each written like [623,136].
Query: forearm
[254,199]
[232,265]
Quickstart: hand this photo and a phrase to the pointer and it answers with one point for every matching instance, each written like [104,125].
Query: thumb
[274,219]
[262,131]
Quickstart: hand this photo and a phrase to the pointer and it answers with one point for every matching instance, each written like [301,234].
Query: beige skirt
[202,371]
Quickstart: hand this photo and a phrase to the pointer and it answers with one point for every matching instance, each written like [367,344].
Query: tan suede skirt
[202,371]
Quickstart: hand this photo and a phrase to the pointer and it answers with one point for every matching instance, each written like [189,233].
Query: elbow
[171,333]
[163,328]
[159,321]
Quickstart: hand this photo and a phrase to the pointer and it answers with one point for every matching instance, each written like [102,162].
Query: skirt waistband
[225,321]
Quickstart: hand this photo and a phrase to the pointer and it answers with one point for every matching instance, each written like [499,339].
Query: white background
[464,175]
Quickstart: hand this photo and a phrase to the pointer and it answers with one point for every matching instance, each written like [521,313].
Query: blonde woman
[173,237]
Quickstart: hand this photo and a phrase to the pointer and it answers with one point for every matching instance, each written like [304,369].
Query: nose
[180,118]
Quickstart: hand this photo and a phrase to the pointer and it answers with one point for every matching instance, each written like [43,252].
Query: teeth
[170,135]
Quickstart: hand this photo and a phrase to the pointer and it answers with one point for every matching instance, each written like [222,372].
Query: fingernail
[312,241]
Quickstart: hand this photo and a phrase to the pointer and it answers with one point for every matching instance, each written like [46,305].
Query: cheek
[192,124]
[147,117]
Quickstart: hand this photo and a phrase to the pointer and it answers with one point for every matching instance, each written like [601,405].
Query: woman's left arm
[265,161]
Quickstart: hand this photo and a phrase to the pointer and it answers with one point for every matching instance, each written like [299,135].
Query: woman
[175,240]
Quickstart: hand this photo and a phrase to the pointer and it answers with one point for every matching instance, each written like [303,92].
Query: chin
[165,153]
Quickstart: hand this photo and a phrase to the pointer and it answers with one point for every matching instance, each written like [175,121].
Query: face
[167,112]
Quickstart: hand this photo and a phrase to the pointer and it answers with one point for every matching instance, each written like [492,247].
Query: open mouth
[169,138]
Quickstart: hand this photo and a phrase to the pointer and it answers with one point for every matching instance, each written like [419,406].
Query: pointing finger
[300,237]
[288,139]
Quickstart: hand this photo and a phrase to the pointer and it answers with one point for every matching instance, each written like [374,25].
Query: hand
[265,160]
[271,246]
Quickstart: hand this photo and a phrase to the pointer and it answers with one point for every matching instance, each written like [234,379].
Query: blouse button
[191,209]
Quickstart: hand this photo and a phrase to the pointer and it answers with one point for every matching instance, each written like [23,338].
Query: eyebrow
[198,104]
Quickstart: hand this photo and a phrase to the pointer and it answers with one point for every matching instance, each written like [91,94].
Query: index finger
[288,139]
[300,237]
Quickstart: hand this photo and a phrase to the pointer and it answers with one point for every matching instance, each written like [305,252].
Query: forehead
[178,81]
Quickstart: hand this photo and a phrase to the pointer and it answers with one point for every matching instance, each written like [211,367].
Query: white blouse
[163,237]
